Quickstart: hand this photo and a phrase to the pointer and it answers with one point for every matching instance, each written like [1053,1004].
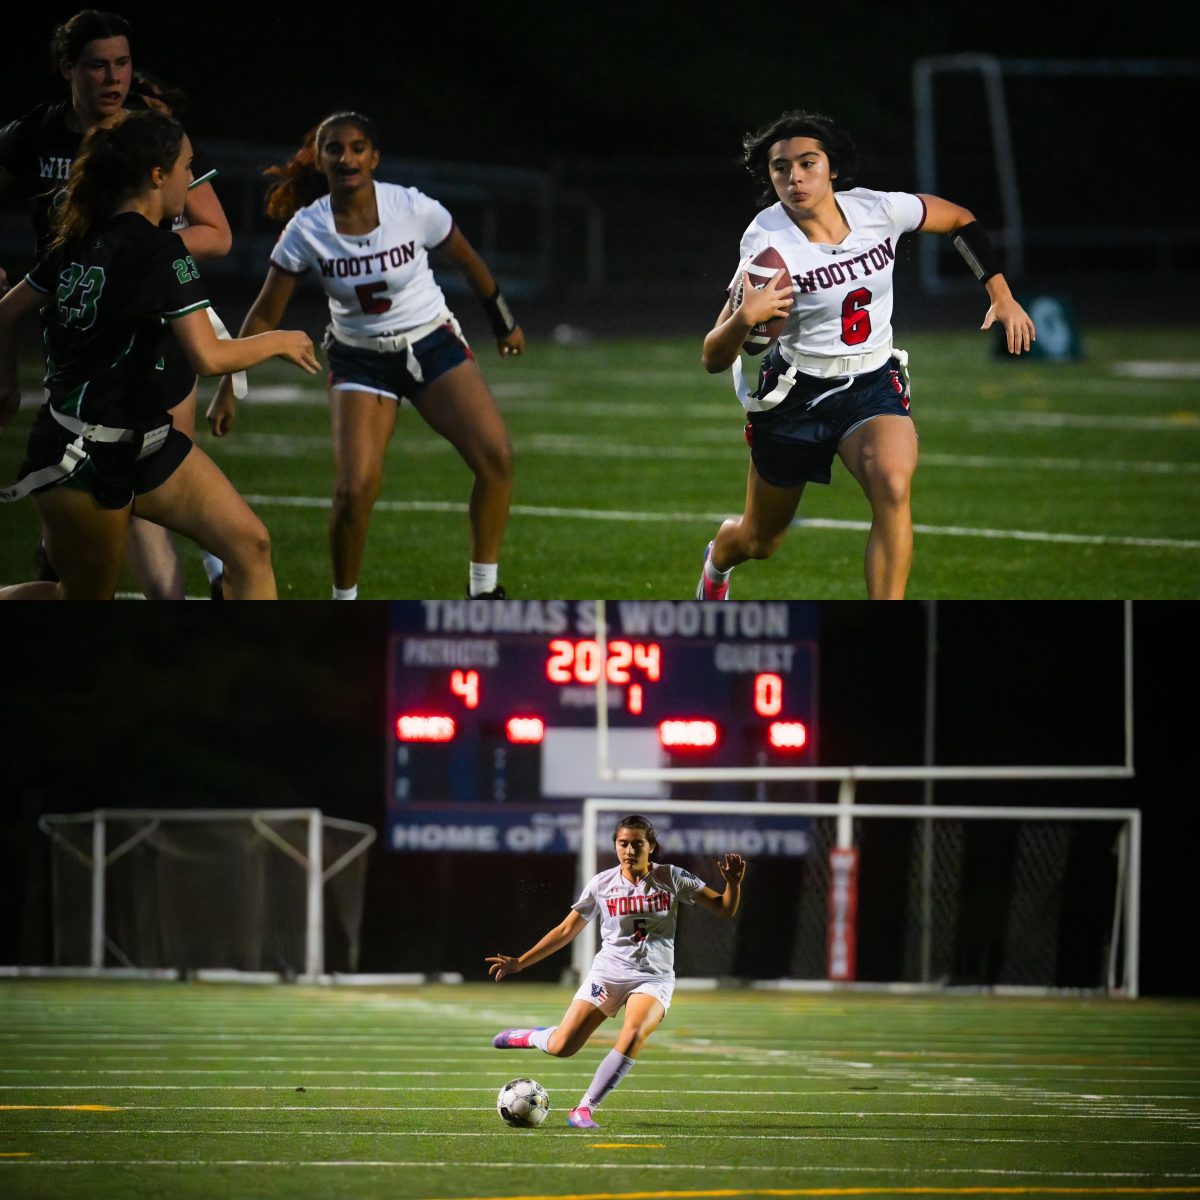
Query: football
[762,268]
[523,1103]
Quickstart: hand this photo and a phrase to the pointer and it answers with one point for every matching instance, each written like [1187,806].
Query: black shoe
[497,593]
[45,568]
[216,589]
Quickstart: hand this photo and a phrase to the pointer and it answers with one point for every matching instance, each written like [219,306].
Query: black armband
[500,315]
[973,243]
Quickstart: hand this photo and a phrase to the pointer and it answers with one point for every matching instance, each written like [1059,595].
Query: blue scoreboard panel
[492,704]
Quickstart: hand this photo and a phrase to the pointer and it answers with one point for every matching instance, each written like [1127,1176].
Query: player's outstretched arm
[560,936]
[509,338]
[972,242]
[265,314]
[723,342]
[725,904]
[209,355]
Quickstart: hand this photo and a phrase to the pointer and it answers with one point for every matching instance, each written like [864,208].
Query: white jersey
[637,920]
[378,283]
[841,295]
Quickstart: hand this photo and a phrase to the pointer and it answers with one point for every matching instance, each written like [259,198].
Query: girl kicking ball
[638,906]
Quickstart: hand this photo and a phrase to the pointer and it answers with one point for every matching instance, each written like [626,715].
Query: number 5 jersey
[637,920]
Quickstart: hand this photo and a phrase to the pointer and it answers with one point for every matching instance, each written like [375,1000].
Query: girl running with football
[832,382]
[91,52]
[637,903]
[390,335]
[103,447]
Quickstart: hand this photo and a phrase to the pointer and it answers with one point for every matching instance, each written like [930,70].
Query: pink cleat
[581,1118]
[706,589]
[514,1039]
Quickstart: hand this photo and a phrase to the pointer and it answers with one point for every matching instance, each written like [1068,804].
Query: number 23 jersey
[108,301]
[841,295]
[378,282]
[637,920]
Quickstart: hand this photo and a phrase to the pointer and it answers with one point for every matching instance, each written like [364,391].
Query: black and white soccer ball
[523,1103]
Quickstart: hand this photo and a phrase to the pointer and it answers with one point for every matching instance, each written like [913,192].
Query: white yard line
[643,517]
[526,1165]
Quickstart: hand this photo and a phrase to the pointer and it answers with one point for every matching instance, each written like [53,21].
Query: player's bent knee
[355,495]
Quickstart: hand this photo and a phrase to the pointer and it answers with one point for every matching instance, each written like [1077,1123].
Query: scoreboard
[492,707]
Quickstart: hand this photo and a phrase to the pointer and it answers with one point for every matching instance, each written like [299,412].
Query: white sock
[614,1067]
[350,593]
[715,575]
[484,577]
[214,568]
[540,1038]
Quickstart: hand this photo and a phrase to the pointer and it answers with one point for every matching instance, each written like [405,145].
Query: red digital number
[465,685]
[620,655]
[648,658]
[561,662]
[768,695]
[856,320]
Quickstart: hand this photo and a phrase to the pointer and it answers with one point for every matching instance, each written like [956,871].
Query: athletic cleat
[706,589]
[514,1039]
[497,593]
[581,1118]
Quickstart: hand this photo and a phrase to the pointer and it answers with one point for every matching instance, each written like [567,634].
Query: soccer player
[103,445]
[832,383]
[390,335]
[638,906]
[91,52]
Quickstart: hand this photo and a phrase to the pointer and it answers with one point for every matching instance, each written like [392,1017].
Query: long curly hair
[300,180]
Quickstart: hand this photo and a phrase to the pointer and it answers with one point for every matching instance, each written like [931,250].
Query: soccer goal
[274,891]
[986,898]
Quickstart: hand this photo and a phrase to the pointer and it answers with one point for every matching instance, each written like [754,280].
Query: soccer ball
[524,1103]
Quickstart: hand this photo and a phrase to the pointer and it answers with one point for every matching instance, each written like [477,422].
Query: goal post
[239,889]
[1044,849]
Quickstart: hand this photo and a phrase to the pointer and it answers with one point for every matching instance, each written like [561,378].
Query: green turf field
[186,1090]
[1037,480]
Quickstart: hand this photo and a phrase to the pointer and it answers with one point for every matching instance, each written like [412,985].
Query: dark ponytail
[114,163]
[300,179]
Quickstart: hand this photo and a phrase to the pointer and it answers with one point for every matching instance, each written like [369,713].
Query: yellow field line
[15,1153]
[867,1191]
[626,1145]
[58,1107]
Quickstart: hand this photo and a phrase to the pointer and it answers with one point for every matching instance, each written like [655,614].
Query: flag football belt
[391,343]
[238,378]
[75,454]
[849,365]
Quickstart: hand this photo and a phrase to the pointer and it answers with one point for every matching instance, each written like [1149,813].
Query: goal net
[268,890]
[921,896]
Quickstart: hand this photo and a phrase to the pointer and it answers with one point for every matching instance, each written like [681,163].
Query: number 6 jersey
[841,295]
[637,920]
[378,283]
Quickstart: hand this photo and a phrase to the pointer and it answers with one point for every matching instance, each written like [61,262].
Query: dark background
[187,706]
[641,108]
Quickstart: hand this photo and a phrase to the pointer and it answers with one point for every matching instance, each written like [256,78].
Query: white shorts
[608,996]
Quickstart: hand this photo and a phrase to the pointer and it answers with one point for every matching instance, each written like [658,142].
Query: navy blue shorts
[793,444]
[392,374]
